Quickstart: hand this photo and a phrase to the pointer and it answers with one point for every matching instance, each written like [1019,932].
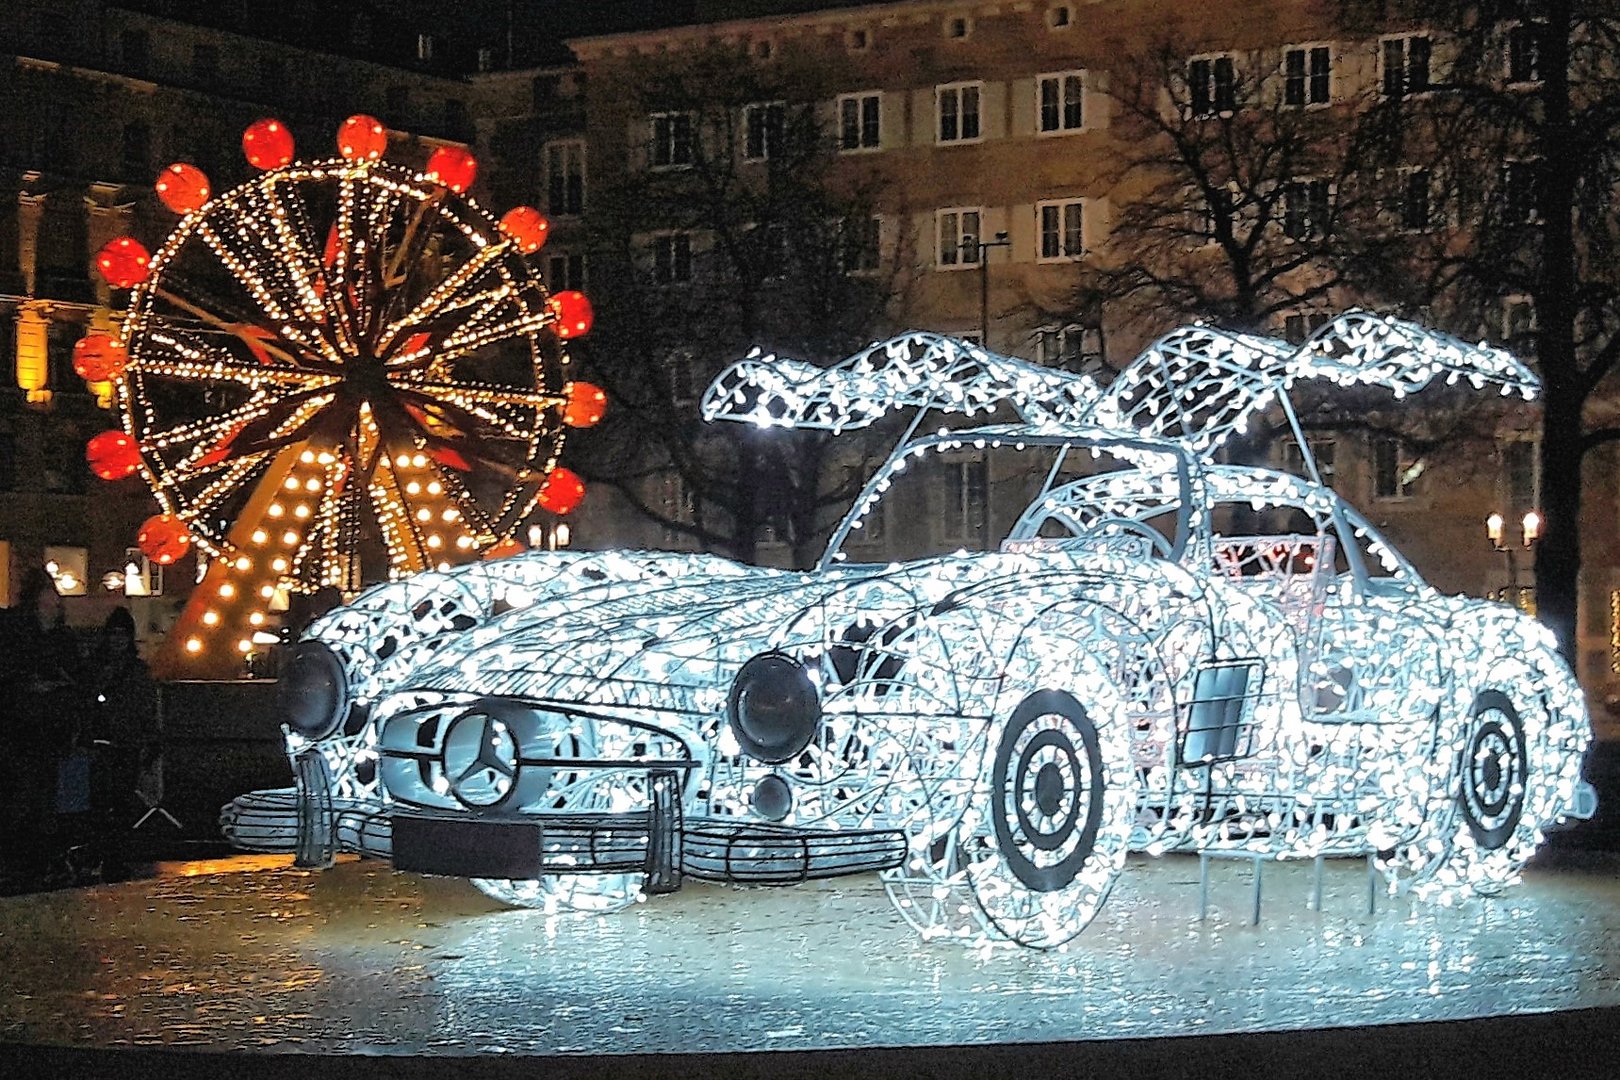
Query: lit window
[860,121]
[1062,235]
[1406,65]
[565,177]
[1307,76]
[1060,102]
[763,127]
[958,112]
[424,47]
[671,140]
[958,231]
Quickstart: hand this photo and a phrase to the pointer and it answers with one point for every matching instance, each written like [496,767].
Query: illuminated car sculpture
[1165,654]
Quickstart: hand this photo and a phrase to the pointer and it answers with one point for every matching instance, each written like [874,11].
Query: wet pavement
[253,955]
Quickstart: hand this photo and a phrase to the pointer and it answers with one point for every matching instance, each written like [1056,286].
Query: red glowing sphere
[503,550]
[99,358]
[123,262]
[586,404]
[112,455]
[527,227]
[267,144]
[453,167]
[183,188]
[573,312]
[164,538]
[562,491]
[361,138]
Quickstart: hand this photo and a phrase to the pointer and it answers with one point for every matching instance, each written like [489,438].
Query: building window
[565,177]
[137,150]
[1299,325]
[136,49]
[672,258]
[671,140]
[1524,54]
[1406,65]
[1061,228]
[1323,448]
[958,27]
[1520,183]
[1212,85]
[1071,346]
[1517,323]
[958,109]
[565,271]
[1393,475]
[1306,208]
[69,567]
[860,119]
[1060,17]
[966,490]
[486,58]
[424,47]
[762,130]
[1307,76]
[958,231]
[679,503]
[860,244]
[1060,102]
[1416,209]
[858,40]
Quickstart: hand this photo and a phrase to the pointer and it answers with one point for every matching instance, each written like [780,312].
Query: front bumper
[659,842]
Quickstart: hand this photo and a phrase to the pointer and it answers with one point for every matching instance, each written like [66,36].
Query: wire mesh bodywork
[994,731]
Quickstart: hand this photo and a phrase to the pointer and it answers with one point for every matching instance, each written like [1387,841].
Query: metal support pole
[1372,885]
[1316,887]
[1203,885]
[1254,918]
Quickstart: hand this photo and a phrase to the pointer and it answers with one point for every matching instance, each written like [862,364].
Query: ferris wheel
[336,372]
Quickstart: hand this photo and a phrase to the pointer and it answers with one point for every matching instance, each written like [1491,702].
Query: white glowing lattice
[993,731]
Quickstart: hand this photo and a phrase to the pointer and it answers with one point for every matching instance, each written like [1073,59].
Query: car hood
[642,642]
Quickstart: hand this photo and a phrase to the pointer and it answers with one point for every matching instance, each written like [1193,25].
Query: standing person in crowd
[118,719]
[39,665]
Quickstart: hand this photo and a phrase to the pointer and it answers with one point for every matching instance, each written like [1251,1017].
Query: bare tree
[732,228]
[1515,113]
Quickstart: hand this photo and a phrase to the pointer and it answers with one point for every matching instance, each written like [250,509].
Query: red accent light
[527,227]
[164,538]
[123,262]
[453,167]
[99,358]
[183,188]
[112,455]
[361,138]
[573,312]
[267,144]
[586,404]
[562,491]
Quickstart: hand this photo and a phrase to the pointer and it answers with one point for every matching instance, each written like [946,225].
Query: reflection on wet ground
[360,959]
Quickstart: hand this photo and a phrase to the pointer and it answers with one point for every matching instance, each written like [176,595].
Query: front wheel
[1049,838]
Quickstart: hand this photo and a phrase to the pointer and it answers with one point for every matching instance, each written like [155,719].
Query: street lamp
[981,249]
[1530,531]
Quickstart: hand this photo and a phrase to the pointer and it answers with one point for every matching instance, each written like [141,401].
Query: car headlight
[313,695]
[773,708]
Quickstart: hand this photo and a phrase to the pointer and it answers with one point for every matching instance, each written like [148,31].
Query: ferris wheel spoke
[188,363]
[210,429]
[463,289]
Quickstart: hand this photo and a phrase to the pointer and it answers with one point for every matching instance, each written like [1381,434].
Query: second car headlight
[773,708]
[313,697]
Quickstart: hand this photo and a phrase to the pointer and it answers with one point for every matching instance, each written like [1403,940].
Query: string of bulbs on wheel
[334,372]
